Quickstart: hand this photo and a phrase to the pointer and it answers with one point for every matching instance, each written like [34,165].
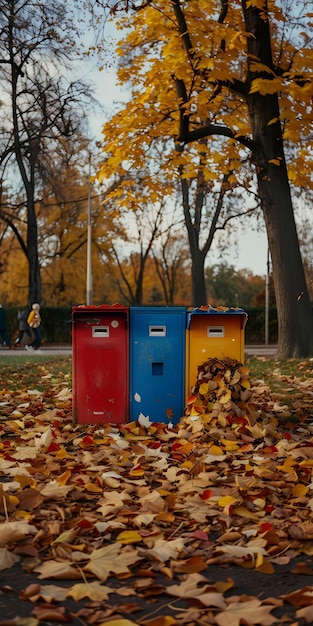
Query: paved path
[255,350]
[44,351]
[261,350]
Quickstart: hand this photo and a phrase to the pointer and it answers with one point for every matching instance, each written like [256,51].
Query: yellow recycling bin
[213,333]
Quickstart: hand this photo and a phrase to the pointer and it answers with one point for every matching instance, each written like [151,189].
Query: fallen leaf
[251,612]
[110,559]
[93,590]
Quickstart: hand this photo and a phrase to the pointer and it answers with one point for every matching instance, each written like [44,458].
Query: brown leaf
[301,597]
[302,568]
[110,559]
[251,612]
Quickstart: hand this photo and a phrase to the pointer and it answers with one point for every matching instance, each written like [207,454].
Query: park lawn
[290,380]
[34,371]
[150,525]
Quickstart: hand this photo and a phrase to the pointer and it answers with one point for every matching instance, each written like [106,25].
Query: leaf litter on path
[149,519]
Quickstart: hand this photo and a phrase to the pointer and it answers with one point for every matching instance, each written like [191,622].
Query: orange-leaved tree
[238,74]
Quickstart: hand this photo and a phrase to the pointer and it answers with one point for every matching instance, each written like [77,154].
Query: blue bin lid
[219,310]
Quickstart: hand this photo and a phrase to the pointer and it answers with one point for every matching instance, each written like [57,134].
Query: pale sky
[251,250]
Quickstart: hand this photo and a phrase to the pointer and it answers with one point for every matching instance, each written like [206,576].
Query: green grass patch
[34,372]
[288,380]
[271,369]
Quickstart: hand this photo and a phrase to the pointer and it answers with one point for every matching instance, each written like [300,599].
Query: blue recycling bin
[157,363]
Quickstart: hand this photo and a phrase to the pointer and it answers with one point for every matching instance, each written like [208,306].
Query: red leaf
[206,494]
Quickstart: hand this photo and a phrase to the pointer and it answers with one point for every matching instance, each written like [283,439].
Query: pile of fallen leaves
[222,390]
[142,524]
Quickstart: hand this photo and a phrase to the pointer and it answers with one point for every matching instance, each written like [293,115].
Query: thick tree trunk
[295,328]
[295,321]
[34,277]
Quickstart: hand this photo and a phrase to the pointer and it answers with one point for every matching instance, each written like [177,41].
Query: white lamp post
[89,265]
[267,299]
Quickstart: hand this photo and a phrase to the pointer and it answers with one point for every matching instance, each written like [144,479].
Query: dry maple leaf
[190,588]
[111,560]
[300,597]
[58,570]
[54,490]
[52,593]
[251,613]
[305,613]
[93,590]
[163,549]
[11,532]
[7,559]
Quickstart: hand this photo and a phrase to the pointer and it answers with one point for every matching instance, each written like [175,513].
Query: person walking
[34,322]
[23,328]
[6,341]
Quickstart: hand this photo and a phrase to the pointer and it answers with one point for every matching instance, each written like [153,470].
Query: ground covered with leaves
[209,521]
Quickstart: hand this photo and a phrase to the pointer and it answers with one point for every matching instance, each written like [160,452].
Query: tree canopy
[238,74]
[41,106]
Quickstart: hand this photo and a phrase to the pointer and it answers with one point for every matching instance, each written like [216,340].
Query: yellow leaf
[129,536]
[203,389]
[226,501]
[14,500]
[93,488]
[66,537]
[229,445]
[265,86]
[163,620]
[62,454]
[275,161]
[246,384]
[225,397]
[307,463]
[165,517]
[299,490]
[216,450]
[137,471]
[63,478]
[243,512]
[187,464]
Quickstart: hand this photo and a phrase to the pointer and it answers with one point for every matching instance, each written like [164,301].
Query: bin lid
[101,308]
[219,310]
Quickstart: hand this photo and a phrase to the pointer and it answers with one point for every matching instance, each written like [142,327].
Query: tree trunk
[199,293]
[34,277]
[295,328]
[198,289]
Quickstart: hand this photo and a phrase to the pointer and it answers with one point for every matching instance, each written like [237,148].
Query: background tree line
[174,172]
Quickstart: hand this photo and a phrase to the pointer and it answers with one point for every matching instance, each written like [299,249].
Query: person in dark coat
[23,328]
[6,341]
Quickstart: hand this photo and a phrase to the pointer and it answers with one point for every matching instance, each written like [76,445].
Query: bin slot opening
[216,331]
[157,369]
[100,331]
[91,320]
[157,331]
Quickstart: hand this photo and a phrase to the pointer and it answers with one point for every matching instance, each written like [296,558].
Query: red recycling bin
[100,370]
